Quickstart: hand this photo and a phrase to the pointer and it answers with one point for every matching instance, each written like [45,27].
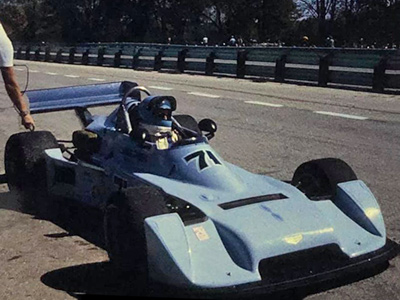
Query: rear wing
[75,97]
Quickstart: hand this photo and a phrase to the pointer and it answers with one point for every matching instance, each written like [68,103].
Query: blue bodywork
[248,218]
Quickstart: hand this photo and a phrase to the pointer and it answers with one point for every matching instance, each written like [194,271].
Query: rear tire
[319,178]
[25,165]
[124,226]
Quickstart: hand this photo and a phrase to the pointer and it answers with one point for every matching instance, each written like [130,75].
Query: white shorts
[6,50]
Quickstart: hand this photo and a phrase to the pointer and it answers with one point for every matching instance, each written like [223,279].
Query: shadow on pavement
[75,219]
[102,279]
[94,279]
[9,201]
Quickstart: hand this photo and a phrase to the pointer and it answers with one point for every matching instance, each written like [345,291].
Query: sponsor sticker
[201,233]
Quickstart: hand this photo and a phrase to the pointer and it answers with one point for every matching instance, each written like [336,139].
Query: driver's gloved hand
[175,136]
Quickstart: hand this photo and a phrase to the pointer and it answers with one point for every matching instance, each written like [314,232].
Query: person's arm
[16,97]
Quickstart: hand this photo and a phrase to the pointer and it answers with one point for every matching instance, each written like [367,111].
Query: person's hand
[28,122]
[175,136]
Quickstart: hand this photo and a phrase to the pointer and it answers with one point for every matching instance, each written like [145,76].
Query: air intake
[302,264]
[253,200]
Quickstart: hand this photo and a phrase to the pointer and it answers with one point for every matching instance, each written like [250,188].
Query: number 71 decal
[200,156]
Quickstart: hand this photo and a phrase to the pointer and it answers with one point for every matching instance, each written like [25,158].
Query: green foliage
[351,22]
[187,21]
[276,18]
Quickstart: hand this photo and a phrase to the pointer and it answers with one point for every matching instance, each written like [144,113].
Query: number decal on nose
[200,156]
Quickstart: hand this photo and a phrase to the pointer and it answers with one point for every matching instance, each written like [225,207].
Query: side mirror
[209,126]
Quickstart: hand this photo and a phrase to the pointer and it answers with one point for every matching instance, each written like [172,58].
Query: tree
[251,19]
[187,21]
[175,18]
[14,18]
[324,11]
[275,19]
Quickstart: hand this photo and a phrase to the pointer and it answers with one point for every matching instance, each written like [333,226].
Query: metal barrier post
[37,54]
[136,59]
[181,60]
[47,54]
[58,58]
[280,68]
[100,56]
[117,58]
[19,53]
[28,53]
[85,57]
[158,61]
[323,73]
[379,79]
[71,57]
[210,65]
[241,63]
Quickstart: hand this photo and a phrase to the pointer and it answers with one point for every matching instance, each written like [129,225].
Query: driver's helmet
[154,113]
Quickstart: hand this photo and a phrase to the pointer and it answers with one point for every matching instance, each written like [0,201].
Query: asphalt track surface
[264,127]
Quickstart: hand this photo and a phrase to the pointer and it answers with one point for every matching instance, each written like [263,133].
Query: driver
[153,116]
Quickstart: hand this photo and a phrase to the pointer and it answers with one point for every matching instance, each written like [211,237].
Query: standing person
[331,42]
[10,81]
[232,41]
[205,41]
[305,42]
[240,41]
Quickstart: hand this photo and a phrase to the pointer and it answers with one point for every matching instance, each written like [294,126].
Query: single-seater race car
[176,211]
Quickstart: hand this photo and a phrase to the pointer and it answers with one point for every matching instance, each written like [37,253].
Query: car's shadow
[104,279]
[94,279]
[73,218]
[97,279]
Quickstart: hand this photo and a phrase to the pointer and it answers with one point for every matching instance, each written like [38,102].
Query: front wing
[334,273]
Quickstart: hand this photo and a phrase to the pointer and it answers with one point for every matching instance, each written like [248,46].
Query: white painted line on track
[51,73]
[33,71]
[19,69]
[341,115]
[96,79]
[72,76]
[164,88]
[264,103]
[203,95]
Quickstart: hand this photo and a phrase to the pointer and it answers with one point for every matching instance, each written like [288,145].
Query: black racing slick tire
[25,164]
[319,178]
[124,226]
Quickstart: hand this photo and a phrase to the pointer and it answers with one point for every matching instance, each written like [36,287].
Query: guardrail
[372,68]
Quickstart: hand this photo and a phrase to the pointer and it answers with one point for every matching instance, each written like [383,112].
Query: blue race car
[177,213]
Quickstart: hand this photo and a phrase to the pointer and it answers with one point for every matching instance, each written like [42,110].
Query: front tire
[319,178]
[124,226]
